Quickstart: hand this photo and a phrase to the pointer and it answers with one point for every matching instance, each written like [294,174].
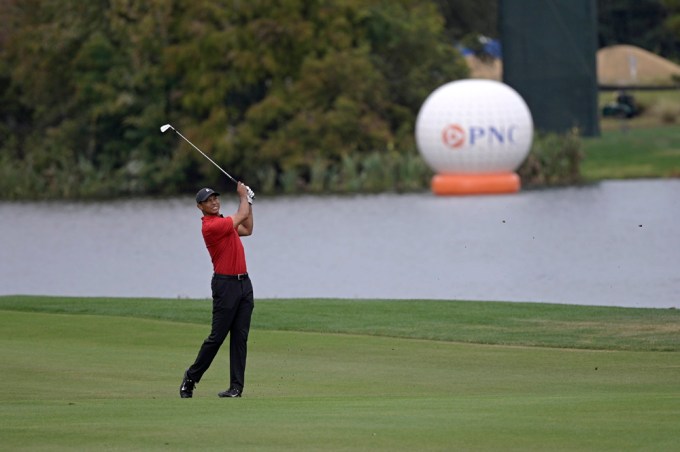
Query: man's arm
[244,212]
[246,228]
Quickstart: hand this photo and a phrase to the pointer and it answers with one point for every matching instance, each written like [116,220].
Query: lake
[616,243]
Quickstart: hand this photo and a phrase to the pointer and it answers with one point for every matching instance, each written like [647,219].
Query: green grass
[647,146]
[634,153]
[102,374]
[532,324]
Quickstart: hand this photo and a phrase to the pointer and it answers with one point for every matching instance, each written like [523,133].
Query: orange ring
[475,184]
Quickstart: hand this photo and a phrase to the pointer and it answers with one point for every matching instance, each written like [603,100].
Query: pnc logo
[454,136]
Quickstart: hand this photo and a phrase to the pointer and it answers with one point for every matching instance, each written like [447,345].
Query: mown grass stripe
[528,324]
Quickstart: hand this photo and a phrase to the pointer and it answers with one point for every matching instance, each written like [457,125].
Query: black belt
[239,277]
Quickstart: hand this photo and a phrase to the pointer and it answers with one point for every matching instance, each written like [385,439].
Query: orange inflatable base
[475,184]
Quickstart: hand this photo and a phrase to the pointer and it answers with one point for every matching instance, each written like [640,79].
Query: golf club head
[165,127]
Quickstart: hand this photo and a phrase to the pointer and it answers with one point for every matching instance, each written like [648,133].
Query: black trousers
[233,306]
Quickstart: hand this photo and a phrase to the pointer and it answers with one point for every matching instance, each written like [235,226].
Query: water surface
[615,243]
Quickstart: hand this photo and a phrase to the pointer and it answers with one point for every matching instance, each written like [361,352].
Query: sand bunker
[630,65]
[619,65]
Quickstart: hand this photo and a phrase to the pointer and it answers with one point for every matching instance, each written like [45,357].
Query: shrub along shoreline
[555,160]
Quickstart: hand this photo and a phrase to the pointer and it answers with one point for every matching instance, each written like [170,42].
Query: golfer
[232,291]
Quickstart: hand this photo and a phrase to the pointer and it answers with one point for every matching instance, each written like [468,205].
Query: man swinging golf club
[232,291]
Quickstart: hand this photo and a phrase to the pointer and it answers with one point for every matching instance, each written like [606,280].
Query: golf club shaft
[203,154]
[165,127]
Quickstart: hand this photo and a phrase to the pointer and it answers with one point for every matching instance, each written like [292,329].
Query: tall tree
[283,84]
[258,84]
[89,85]
[469,17]
[640,23]
[672,22]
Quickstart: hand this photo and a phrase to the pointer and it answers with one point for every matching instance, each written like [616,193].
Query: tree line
[268,89]
[288,95]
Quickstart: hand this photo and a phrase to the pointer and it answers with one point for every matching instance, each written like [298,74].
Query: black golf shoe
[231,392]
[186,391]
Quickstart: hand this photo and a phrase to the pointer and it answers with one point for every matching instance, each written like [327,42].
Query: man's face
[210,206]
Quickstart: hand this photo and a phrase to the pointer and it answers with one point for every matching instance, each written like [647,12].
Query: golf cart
[623,107]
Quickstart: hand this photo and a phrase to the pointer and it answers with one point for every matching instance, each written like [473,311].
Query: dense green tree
[470,22]
[643,23]
[265,87]
[672,22]
[273,88]
[86,80]
[38,65]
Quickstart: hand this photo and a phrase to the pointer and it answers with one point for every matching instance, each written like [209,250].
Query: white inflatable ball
[474,126]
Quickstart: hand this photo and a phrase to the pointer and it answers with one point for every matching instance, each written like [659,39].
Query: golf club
[164,128]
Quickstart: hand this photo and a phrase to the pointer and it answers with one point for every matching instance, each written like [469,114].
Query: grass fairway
[88,374]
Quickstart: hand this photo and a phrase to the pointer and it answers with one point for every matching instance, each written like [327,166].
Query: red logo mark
[453,136]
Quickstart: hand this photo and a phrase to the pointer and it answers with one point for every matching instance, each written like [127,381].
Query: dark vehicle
[623,107]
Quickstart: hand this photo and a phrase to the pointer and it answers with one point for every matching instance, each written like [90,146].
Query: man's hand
[251,194]
[242,190]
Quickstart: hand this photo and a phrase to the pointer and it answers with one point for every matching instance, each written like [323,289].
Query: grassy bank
[525,324]
[658,108]
[646,146]
[92,374]
[634,152]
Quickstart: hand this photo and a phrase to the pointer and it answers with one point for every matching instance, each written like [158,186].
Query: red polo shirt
[224,245]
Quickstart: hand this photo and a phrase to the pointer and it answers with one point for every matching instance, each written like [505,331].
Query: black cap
[205,193]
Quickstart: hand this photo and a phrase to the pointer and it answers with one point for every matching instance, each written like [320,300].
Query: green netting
[549,57]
